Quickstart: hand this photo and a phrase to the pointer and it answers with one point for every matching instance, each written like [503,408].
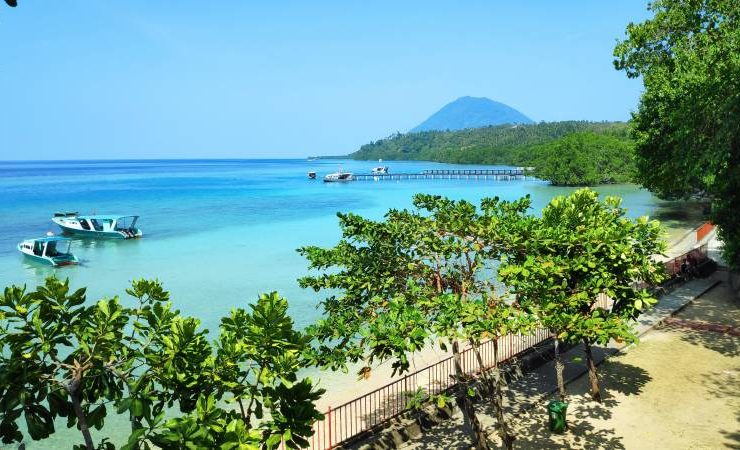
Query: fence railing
[364,413]
[693,257]
[367,412]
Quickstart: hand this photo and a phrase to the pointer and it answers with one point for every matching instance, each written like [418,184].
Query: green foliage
[394,283]
[415,278]
[60,357]
[686,127]
[579,248]
[504,144]
[585,158]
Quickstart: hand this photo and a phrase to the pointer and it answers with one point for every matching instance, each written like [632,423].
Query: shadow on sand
[532,428]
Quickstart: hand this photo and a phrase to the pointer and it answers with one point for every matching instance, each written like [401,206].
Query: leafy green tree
[414,279]
[582,247]
[686,132]
[259,354]
[60,357]
[63,358]
[58,360]
[584,159]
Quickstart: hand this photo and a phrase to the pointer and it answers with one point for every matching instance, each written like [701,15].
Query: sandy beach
[676,389]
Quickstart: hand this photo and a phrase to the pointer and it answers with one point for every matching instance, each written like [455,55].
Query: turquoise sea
[219,232]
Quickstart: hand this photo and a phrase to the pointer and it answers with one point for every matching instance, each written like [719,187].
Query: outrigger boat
[338,176]
[47,250]
[98,225]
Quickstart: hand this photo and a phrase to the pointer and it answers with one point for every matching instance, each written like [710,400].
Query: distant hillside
[503,144]
[471,112]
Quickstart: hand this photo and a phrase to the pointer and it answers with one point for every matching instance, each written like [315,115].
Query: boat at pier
[98,225]
[338,176]
[379,170]
[53,250]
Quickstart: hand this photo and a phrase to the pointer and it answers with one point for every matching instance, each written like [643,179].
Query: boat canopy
[107,216]
[51,239]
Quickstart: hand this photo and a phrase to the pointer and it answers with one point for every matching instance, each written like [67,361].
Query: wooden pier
[447,174]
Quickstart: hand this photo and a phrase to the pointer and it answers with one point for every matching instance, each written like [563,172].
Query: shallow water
[219,232]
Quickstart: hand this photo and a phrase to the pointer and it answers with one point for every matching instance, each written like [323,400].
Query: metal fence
[349,420]
[364,413]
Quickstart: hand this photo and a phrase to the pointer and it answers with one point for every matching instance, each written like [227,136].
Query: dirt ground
[679,388]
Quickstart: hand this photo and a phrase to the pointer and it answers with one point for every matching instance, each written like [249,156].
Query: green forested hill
[566,153]
[503,144]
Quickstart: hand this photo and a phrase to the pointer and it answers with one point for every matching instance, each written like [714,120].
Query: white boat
[98,225]
[380,170]
[338,176]
[52,250]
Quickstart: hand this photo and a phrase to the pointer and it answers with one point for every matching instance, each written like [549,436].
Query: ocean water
[219,232]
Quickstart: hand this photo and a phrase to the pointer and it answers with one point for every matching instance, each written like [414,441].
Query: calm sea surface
[219,232]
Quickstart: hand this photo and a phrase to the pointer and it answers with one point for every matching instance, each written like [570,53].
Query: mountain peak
[471,112]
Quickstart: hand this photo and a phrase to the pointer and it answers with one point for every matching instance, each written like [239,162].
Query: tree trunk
[81,420]
[466,403]
[559,369]
[593,376]
[507,437]
[495,385]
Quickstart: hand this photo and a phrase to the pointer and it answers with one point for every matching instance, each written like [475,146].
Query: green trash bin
[557,409]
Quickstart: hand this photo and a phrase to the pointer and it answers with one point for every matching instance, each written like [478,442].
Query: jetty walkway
[447,174]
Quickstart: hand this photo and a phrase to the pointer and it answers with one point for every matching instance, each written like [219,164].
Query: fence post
[328,418]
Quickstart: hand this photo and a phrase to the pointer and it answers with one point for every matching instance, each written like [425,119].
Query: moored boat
[312,175]
[98,225]
[52,250]
[380,170]
[338,176]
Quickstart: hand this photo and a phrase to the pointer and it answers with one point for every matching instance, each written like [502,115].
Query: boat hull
[57,261]
[136,233]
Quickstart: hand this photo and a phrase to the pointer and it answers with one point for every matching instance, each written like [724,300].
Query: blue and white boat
[52,250]
[98,225]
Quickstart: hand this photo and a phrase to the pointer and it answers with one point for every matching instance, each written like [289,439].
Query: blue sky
[97,79]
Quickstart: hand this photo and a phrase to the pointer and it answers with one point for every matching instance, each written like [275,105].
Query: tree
[686,132]
[583,159]
[60,357]
[580,248]
[258,355]
[406,282]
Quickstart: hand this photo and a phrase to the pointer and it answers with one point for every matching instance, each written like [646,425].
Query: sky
[103,79]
